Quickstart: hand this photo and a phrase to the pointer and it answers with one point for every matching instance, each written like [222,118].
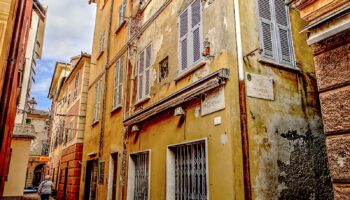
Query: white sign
[213,101]
[259,86]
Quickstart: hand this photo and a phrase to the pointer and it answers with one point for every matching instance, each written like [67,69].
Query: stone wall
[332,59]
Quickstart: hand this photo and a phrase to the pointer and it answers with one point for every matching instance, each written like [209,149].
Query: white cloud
[41,87]
[69,28]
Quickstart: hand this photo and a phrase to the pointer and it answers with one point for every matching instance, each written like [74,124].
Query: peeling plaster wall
[287,142]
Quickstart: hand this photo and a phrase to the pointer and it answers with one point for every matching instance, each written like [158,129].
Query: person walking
[46,188]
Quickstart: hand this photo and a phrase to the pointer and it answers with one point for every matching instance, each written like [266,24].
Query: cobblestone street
[33,196]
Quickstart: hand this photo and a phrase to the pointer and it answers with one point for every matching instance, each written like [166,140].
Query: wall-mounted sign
[259,86]
[213,101]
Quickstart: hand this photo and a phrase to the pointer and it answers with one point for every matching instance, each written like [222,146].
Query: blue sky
[69,30]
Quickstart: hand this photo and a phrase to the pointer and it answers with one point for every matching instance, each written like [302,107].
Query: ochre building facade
[202,100]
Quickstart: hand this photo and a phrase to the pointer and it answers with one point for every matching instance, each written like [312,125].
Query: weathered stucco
[287,144]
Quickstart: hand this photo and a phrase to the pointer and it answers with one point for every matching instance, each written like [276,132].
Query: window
[97,100]
[122,12]
[28,121]
[144,74]
[138,176]
[118,83]
[190,36]
[101,173]
[275,33]
[71,131]
[187,171]
[163,69]
[76,84]
[45,149]
[102,42]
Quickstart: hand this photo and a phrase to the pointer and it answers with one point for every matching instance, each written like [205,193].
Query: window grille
[141,162]
[101,173]
[190,171]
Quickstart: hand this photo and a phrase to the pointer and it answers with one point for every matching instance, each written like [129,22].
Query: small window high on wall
[275,33]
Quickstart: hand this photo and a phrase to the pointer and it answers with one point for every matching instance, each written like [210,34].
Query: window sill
[116,109]
[279,65]
[120,27]
[143,100]
[190,70]
[95,123]
[100,54]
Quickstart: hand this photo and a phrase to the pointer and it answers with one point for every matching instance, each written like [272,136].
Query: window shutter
[283,32]
[120,84]
[184,39]
[266,28]
[141,70]
[147,72]
[196,26]
[116,81]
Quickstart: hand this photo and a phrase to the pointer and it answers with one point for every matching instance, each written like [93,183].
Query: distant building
[328,31]
[202,99]
[68,92]
[39,148]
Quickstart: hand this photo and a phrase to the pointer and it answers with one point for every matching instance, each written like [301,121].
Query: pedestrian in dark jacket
[46,188]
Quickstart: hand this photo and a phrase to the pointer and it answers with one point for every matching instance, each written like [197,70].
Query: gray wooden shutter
[141,70]
[283,31]
[116,80]
[120,83]
[196,30]
[266,28]
[147,70]
[184,39]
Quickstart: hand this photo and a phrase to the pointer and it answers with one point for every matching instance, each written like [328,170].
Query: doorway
[91,180]
[37,175]
[112,177]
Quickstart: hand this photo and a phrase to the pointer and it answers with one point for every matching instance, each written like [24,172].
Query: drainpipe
[100,153]
[242,104]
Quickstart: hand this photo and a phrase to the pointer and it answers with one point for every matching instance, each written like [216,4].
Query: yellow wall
[14,186]
[295,106]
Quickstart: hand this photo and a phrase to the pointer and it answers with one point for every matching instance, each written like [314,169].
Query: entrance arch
[38,175]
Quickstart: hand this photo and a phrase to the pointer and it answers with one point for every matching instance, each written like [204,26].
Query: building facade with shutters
[213,100]
[104,131]
[68,92]
[329,36]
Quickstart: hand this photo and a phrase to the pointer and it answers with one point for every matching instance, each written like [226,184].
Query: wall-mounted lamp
[135,129]
[179,111]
